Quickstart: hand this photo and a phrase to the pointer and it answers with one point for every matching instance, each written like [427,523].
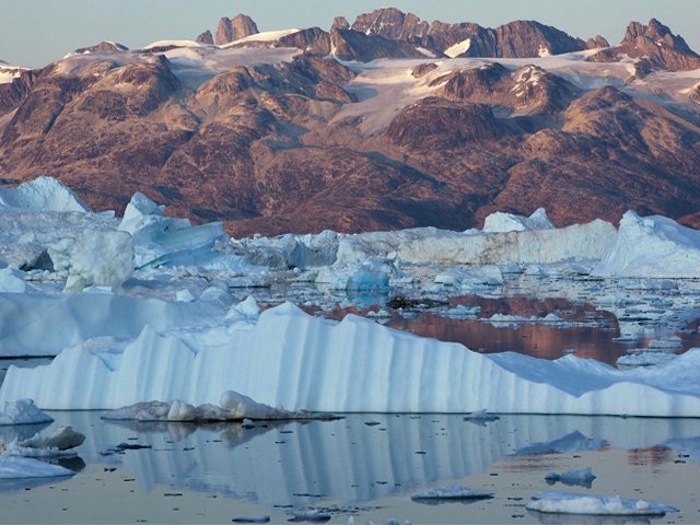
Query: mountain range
[388,123]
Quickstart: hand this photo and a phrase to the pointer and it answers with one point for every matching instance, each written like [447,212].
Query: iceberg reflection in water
[301,462]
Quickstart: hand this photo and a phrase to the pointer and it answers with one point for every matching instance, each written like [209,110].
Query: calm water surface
[364,465]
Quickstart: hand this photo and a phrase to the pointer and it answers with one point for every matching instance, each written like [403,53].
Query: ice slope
[653,246]
[39,324]
[42,194]
[292,360]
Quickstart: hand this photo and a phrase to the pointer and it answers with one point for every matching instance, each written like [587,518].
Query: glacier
[287,358]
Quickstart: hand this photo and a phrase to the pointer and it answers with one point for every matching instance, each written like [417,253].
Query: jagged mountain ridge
[273,140]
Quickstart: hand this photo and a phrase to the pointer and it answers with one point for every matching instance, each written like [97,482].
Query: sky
[36,32]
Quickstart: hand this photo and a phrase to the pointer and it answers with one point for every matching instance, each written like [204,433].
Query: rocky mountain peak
[391,23]
[655,46]
[103,47]
[205,38]
[340,22]
[232,29]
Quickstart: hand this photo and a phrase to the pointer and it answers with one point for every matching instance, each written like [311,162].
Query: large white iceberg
[508,222]
[42,194]
[653,247]
[433,246]
[293,360]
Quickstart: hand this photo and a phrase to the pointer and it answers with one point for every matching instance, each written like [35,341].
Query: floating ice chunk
[160,240]
[12,281]
[373,275]
[652,246]
[643,357]
[500,222]
[572,503]
[234,407]
[450,492]
[488,275]
[42,194]
[17,467]
[22,412]
[582,477]
[63,438]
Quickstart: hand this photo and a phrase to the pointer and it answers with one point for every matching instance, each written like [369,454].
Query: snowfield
[148,308]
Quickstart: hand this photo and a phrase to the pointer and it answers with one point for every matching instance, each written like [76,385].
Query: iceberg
[450,493]
[572,503]
[22,412]
[42,194]
[18,467]
[500,222]
[287,358]
[161,240]
[432,246]
[652,247]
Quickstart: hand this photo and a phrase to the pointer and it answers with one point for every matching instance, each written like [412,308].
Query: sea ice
[451,492]
[572,503]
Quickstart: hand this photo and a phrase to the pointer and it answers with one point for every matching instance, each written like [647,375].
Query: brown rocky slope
[269,148]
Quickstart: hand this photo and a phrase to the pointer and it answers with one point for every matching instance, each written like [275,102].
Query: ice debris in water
[450,492]
[22,412]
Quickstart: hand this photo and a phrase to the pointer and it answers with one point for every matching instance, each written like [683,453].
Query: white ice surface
[433,246]
[22,412]
[16,467]
[500,222]
[451,492]
[572,503]
[42,194]
[653,246]
[293,360]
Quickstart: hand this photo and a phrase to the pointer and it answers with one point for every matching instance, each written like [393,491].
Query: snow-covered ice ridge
[291,359]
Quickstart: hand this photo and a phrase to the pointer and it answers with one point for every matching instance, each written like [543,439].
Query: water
[349,467]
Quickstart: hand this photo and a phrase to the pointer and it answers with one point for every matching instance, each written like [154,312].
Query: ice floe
[22,412]
[572,503]
[450,493]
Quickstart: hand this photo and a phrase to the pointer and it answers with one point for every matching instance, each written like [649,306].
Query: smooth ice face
[652,246]
[289,359]
[17,467]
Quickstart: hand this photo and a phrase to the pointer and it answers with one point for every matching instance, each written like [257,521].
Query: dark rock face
[656,46]
[205,38]
[391,24]
[13,93]
[520,39]
[232,29]
[340,22]
[314,41]
[353,45]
